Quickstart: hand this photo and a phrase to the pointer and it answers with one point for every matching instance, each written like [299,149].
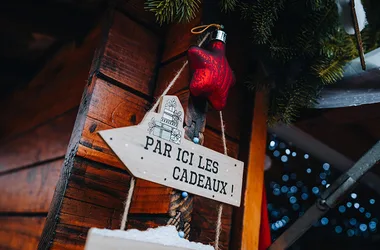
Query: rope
[128,203]
[172,82]
[132,183]
[220,208]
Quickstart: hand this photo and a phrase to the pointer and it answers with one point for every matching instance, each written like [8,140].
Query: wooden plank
[29,190]
[55,90]
[131,54]
[203,222]
[255,175]
[111,107]
[97,183]
[179,38]
[20,233]
[45,142]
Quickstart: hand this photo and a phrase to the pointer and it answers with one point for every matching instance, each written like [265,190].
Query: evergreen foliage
[300,43]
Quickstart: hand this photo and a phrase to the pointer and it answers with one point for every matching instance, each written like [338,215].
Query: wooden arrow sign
[156,150]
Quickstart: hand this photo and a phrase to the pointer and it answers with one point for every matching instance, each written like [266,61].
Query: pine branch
[228,5]
[168,11]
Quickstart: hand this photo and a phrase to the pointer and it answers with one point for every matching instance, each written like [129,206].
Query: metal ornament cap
[219,35]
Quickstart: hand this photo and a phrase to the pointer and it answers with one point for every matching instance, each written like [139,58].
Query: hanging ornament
[353,18]
[212,76]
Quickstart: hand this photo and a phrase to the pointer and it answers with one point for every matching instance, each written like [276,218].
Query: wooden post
[255,175]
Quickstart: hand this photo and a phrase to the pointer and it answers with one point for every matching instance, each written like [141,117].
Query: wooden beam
[255,175]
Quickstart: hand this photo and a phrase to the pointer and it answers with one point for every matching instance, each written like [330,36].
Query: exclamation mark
[232,190]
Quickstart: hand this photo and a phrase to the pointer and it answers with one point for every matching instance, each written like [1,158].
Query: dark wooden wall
[36,124]
[107,81]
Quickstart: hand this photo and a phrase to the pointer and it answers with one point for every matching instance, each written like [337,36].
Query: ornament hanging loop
[202,28]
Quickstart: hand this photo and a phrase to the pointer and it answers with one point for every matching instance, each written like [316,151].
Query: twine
[220,208]
[128,203]
[132,183]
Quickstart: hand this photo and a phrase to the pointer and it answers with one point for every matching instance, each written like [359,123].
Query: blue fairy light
[287,151]
[282,145]
[372,225]
[354,196]
[285,177]
[356,205]
[322,176]
[338,229]
[323,182]
[324,221]
[342,209]
[304,196]
[363,227]
[308,170]
[315,190]
[286,218]
[350,232]
[284,158]
[276,153]
[184,194]
[181,234]
[196,140]
[284,189]
[272,143]
[372,201]
[293,189]
[326,166]
[276,191]
[276,185]
[353,221]
[368,215]
[349,204]
[292,200]
[306,156]
[293,176]
[361,210]
[294,154]
[296,207]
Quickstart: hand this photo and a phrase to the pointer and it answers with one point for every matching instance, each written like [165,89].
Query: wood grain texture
[20,233]
[55,90]
[29,190]
[131,54]
[179,38]
[45,142]
[203,222]
[255,175]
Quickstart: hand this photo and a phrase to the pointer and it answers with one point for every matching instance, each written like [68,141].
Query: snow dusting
[167,236]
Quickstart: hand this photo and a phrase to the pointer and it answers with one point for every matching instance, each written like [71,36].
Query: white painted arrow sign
[156,150]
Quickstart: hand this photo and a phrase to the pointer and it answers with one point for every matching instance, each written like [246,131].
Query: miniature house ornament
[156,150]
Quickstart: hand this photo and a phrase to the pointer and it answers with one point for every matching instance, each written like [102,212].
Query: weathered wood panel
[111,107]
[45,142]
[55,90]
[29,190]
[130,55]
[20,233]
[90,193]
[179,38]
[204,218]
